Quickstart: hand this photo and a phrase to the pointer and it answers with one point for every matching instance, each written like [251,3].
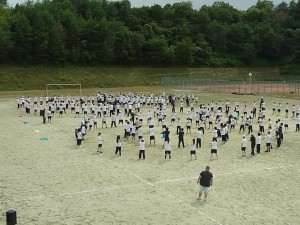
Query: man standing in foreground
[205,180]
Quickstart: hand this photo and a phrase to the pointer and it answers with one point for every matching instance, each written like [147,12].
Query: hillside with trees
[102,32]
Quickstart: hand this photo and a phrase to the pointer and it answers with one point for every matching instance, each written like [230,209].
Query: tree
[56,45]
[157,51]
[184,52]
[203,51]
[262,12]
[22,37]
[216,36]
[3,3]
[238,35]
[5,40]
[264,42]
[223,13]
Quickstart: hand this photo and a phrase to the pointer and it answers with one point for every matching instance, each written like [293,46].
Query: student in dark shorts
[180,138]
[205,180]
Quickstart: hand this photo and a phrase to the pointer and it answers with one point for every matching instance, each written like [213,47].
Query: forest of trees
[102,32]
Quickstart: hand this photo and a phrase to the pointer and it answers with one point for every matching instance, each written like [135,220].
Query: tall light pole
[250,75]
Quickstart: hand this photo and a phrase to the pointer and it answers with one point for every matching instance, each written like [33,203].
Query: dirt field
[51,181]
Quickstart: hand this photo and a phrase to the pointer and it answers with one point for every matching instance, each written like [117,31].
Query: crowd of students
[126,110]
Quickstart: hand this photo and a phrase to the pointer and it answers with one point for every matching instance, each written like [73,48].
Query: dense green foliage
[102,32]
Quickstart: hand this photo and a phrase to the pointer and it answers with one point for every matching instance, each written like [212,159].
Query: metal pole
[250,86]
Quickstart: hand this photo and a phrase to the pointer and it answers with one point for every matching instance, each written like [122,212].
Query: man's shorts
[203,189]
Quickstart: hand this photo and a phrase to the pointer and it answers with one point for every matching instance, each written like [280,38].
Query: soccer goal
[53,88]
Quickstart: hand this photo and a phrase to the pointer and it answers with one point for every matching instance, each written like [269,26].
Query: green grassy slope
[15,78]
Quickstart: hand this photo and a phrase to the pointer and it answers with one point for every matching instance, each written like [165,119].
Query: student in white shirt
[261,123]
[188,126]
[121,118]
[215,133]
[95,121]
[49,114]
[179,124]
[268,141]
[168,149]
[298,123]
[79,137]
[242,124]
[151,134]
[193,149]
[113,120]
[83,131]
[173,118]
[77,109]
[244,145]
[223,134]
[199,137]
[142,148]
[181,107]
[133,131]
[258,143]
[214,148]
[104,121]
[100,142]
[140,133]
[286,123]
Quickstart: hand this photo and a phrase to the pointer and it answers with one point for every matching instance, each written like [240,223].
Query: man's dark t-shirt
[205,178]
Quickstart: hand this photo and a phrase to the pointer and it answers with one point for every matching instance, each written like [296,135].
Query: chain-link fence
[270,84]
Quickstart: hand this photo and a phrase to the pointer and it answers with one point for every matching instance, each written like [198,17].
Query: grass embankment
[17,78]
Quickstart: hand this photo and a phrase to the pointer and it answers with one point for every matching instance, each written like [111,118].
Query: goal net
[62,89]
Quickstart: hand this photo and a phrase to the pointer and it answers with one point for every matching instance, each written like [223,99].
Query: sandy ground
[53,182]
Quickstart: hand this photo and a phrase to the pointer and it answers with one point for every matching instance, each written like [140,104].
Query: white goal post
[59,86]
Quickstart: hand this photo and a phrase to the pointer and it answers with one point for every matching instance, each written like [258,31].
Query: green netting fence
[239,85]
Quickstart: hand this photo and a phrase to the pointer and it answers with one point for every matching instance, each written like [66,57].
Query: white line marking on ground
[223,174]
[72,193]
[202,213]
[224,210]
